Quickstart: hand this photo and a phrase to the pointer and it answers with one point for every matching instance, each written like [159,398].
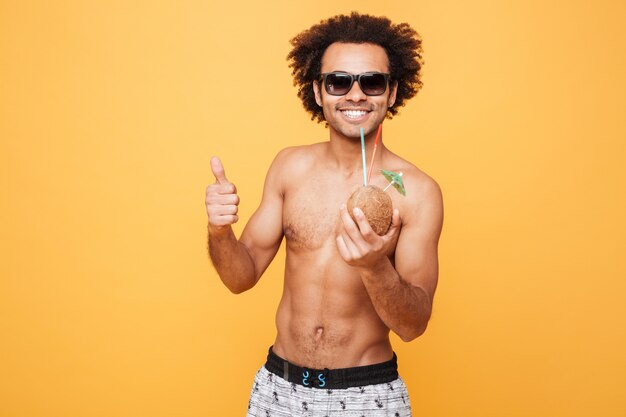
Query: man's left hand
[359,245]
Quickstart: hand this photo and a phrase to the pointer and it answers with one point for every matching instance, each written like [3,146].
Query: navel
[319,332]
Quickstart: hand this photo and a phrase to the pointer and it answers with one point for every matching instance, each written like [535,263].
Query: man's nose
[355,93]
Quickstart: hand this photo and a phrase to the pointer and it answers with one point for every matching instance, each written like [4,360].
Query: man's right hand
[221,200]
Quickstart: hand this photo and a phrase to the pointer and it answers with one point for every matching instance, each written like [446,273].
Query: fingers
[219,209]
[222,194]
[358,244]
[343,249]
[351,230]
[358,239]
[360,232]
[396,222]
[221,197]
[222,211]
[225,220]
[218,170]
[363,223]
[222,214]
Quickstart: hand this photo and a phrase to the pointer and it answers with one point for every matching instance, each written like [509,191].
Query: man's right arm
[240,263]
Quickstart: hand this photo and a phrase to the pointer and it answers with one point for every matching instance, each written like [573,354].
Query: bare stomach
[325,318]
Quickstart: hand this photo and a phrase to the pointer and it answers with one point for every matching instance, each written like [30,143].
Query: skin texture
[345,287]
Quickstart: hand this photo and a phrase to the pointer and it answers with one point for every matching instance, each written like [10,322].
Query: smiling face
[346,114]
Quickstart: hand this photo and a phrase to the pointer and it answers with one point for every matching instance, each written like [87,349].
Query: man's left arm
[402,295]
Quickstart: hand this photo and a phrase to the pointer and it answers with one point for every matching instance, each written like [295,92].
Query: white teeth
[354,114]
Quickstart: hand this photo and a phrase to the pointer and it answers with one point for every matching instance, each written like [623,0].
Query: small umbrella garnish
[395,180]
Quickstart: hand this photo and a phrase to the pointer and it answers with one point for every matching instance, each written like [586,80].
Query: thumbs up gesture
[221,200]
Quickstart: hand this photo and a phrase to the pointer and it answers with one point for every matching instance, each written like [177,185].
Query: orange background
[110,112]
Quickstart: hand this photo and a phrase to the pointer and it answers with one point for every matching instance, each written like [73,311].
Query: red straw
[380,128]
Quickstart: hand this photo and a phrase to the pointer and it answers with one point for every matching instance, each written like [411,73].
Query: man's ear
[318,94]
[392,94]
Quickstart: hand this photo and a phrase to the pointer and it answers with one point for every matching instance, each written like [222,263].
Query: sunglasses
[340,83]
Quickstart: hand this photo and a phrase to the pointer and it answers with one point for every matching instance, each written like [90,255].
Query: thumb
[218,170]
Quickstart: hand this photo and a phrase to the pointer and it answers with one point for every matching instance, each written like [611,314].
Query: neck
[345,151]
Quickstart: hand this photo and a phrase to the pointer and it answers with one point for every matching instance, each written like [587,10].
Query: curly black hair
[401,42]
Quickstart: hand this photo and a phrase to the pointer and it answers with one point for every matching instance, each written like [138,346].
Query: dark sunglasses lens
[373,84]
[338,84]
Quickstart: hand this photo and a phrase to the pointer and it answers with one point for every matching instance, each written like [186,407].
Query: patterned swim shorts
[274,396]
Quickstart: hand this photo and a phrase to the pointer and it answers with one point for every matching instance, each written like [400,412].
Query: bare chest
[311,214]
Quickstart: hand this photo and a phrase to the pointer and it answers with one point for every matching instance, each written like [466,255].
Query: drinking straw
[380,128]
[363,154]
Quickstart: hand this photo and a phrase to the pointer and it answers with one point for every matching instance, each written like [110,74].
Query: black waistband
[358,376]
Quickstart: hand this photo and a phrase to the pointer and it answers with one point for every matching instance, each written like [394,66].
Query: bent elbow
[240,286]
[412,334]
[238,289]
[406,337]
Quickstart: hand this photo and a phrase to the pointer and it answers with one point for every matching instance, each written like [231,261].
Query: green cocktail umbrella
[394,179]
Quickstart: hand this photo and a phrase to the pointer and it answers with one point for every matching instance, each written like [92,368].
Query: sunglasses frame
[356,77]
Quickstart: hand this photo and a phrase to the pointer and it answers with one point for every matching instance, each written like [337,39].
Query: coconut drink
[376,206]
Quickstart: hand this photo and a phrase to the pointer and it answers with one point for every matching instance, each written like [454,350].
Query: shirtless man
[345,287]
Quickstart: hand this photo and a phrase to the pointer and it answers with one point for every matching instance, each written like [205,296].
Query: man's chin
[355,131]
[352,131]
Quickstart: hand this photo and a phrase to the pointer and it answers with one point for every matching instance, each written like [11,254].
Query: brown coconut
[375,204]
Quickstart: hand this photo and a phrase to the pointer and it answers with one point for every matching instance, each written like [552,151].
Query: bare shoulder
[295,161]
[423,193]
[299,154]
[424,188]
